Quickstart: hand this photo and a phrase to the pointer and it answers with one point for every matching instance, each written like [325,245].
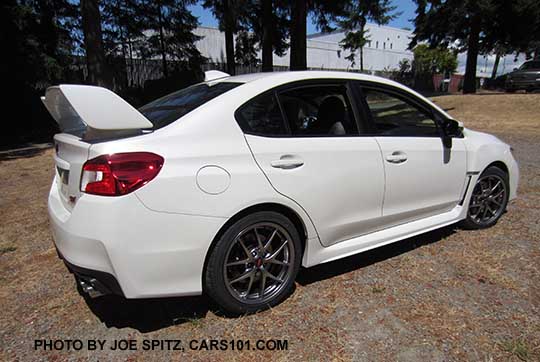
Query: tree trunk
[362,29]
[267,25]
[469,82]
[298,36]
[495,66]
[93,44]
[162,44]
[229,38]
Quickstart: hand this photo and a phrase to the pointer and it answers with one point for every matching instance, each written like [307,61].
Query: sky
[407,7]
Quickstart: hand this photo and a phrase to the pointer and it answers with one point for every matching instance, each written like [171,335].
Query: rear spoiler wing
[76,107]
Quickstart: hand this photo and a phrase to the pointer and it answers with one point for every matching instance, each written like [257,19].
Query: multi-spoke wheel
[488,200]
[254,264]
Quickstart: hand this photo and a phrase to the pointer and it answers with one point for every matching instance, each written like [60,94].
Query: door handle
[287,162]
[397,157]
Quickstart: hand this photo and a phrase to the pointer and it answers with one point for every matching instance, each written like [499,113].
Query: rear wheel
[254,263]
[488,200]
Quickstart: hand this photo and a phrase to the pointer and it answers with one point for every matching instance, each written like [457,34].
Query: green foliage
[434,60]
[505,26]
[354,19]
[37,42]
[170,26]
[245,52]
[253,22]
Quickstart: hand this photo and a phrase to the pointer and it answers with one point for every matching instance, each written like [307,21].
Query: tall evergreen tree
[37,43]
[230,14]
[323,11]
[123,26]
[477,26]
[357,13]
[93,44]
[245,49]
[170,25]
[268,20]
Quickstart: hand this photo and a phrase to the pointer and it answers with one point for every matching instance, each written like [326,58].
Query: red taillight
[119,173]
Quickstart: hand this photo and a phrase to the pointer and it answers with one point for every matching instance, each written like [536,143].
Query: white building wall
[387,46]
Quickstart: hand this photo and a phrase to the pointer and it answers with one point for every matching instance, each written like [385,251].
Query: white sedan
[229,186]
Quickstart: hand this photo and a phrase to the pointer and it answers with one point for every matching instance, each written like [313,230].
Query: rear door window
[319,110]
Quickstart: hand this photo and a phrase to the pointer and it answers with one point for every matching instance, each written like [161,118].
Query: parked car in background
[526,77]
[227,187]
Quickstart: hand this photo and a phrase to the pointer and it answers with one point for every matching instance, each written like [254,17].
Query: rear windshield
[167,109]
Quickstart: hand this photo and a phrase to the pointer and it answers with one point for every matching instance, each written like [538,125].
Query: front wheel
[488,200]
[254,263]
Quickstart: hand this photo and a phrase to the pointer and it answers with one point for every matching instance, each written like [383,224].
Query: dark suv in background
[526,77]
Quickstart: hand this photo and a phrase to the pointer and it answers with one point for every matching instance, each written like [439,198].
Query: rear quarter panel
[207,136]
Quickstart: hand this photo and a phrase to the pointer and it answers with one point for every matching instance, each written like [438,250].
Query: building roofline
[319,34]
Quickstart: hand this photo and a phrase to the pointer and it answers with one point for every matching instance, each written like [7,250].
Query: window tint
[318,110]
[169,108]
[394,117]
[262,116]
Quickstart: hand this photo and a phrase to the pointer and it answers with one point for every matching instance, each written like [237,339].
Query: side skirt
[317,254]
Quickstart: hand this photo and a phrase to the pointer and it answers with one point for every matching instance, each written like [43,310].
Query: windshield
[167,109]
[530,65]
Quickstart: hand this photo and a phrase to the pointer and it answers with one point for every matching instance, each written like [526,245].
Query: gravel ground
[448,295]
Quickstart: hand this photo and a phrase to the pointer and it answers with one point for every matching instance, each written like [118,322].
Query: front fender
[484,149]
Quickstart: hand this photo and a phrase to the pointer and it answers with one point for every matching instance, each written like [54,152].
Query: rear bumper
[131,250]
[99,282]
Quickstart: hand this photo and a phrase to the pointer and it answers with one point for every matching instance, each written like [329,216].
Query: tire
[488,200]
[241,264]
[510,90]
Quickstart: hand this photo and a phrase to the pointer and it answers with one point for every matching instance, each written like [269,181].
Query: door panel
[423,178]
[339,181]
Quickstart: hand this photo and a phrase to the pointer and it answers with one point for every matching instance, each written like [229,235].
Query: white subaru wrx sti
[228,186]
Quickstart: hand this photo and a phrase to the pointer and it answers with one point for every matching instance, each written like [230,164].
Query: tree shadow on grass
[147,315]
[26,152]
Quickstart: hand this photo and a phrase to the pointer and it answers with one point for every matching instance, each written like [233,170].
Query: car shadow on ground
[362,260]
[147,315]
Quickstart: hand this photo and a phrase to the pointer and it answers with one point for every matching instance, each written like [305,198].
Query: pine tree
[170,25]
[230,14]
[96,64]
[477,26]
[358,12]
[323,11]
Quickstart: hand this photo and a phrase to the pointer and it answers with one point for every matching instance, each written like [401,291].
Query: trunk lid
[86,114]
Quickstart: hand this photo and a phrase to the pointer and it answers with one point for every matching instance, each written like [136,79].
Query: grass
[518,348]
[420,299]
[7,249]
[378,289]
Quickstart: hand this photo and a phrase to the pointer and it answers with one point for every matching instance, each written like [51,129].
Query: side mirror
[515,69]
[450,128]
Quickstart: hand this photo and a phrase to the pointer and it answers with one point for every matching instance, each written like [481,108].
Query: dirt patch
[448,295]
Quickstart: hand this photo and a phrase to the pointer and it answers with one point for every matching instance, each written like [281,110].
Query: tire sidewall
[214,284]
[492,170]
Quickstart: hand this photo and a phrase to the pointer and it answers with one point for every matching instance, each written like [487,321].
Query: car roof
[302,75]
[261,81]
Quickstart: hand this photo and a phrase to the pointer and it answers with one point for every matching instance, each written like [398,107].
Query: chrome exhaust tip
[89,287]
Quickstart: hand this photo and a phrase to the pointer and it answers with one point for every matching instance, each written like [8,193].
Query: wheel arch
[498,164]
[291,214]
